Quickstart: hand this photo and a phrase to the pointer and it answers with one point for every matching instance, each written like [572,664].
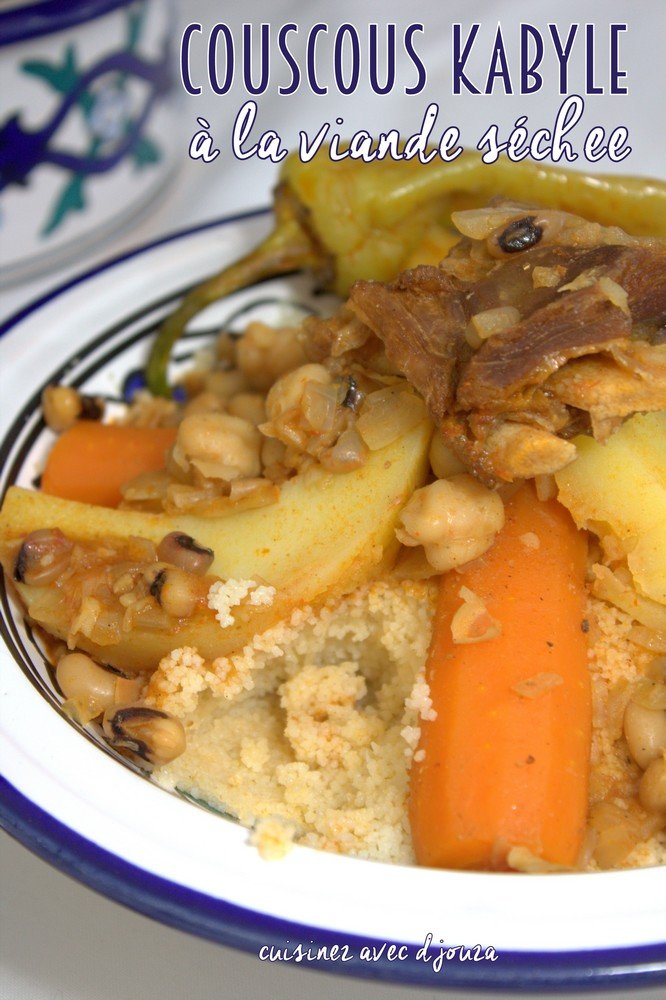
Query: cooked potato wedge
[326,534]
[621,485]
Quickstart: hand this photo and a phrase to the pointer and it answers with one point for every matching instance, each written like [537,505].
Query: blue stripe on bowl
[107,264]
[207,917]
[48,16]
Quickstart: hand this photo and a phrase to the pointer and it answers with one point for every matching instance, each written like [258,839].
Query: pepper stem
[289,247]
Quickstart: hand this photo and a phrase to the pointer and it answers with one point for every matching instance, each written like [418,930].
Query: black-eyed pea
[42,558]
[181,550]
[148,733]
[176,591]
[87,685]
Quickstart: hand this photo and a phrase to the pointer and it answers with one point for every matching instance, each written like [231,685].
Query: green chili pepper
[348,220]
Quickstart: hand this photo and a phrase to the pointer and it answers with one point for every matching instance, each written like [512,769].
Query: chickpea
[652,789]
[204,402]
[250,406]
[146,732]
[225,384]
[84,682]
[287,393]
[61,406]
[455,520]
[645,732]
[265,353]
[218,446]
[443,461]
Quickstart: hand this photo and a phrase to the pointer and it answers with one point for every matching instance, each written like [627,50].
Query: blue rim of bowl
[249,930]
[48,16]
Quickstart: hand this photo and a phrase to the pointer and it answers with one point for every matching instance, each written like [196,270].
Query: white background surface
[59,940]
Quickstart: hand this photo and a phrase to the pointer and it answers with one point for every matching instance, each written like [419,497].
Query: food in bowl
[350,608]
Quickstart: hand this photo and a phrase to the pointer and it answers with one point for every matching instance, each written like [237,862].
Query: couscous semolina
[309,734]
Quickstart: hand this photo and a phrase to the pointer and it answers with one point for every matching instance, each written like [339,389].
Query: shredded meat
[572,324]
[610,392]
[580,323]
[421,319]
[569,363]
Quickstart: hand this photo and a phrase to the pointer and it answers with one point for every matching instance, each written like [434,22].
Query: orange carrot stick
[503,768]
[91,461]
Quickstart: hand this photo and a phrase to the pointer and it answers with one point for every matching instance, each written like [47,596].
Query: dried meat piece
[421,319]
[580,323]
[508,397]
[572,323]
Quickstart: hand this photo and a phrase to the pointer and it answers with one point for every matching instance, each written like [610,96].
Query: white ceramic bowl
[72,801]
[86,123]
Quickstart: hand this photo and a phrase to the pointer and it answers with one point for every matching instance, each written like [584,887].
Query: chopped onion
[243,487]
[521,859]
[538,684]
[548,277]
[618,697]
[144,614]
[183,498]
[349,452]
[583,280]
[388,414]
[492,321]
[84,621]
[546,487]
[479,223]
[146,486]
[648,638]
[127,690]
[616,589]
[472,337]
[472,622]
[319,404]
[615,293]
[412,564]
[106,630]
[615,838]
[350,336]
